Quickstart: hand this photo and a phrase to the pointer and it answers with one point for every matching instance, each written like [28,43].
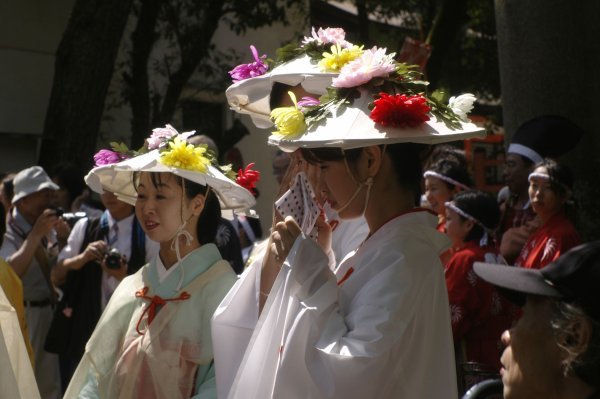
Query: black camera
[113,259]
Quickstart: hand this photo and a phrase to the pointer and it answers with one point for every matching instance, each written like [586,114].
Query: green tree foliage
[163,43]
[462,34]
[172,40]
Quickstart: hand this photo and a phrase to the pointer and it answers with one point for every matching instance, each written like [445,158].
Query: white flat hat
[353,128]
[118,179]
[252,96]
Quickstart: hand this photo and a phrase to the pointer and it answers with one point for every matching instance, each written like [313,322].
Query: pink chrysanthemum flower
[161,135]
[251,70]
[308,102]
[328,36]
[107,157]
[371,64]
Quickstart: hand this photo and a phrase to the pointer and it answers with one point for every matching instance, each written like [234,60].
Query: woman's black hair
[483,207]
[453,169]
[445,151]
[210,218]
[561,182]
[9,188]
[278,91]
[561,177]
[406,159]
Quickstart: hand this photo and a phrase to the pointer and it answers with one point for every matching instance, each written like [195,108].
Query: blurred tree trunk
[84,65]
[549,61]
[447,24]
[193,47]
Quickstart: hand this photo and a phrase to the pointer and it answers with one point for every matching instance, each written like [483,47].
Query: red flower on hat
[248,178]
[399,110]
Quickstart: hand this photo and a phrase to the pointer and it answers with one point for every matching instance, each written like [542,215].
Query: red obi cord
[155,303]
[346,276]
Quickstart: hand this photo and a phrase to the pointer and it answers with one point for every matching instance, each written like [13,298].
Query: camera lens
[113,259]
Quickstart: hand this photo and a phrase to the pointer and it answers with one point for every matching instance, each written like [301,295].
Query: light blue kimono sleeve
[206,385]
[90,388]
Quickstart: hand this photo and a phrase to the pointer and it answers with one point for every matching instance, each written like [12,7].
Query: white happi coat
[379,327]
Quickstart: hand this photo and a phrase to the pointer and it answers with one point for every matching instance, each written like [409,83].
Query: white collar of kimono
[163,272]
[446,179]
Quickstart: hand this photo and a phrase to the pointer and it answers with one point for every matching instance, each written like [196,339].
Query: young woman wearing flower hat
[377,326]
[260,86]
[550,193]
[153,339]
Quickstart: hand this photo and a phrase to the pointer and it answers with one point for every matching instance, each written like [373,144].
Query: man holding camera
[34,235]
[99,253]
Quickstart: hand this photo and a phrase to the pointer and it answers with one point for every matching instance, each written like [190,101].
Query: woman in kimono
[479,314]
[550,193]
[153,339]
[377,325]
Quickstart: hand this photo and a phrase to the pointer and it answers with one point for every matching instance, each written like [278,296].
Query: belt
[38,304]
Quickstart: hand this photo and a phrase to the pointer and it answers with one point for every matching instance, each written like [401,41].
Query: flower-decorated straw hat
[295,65]
[168,151]
[373,100]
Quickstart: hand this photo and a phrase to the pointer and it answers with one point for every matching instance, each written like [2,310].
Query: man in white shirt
[88,280]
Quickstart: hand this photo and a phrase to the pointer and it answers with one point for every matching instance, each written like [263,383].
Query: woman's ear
[197,204]
[373,156]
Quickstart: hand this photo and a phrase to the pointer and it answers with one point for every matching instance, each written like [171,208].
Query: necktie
[113,235]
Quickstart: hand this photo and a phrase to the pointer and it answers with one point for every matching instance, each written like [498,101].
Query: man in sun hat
[553,351]
[34,234]
[546,136]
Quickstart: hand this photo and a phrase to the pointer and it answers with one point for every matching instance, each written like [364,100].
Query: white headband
[452,206]
[446,179]
[525,151]
[545,176]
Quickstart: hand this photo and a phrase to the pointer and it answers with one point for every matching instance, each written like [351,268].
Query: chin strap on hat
[181,232]
[368,183]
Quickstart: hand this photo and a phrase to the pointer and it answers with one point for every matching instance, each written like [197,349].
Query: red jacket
[479,313]
[552,239]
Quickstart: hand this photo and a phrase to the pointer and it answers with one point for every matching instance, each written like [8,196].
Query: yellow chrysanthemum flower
[334,61]
[289,121]
[184,155]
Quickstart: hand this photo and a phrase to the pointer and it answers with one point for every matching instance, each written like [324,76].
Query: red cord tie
[156,303]
[346,276]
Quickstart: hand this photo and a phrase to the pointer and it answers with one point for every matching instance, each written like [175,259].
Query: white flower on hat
[462,105]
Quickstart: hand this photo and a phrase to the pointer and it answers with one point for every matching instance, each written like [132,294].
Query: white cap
[30,181]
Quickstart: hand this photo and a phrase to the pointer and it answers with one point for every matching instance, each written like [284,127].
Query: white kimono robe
[379,327]
[16,374]
[172,356]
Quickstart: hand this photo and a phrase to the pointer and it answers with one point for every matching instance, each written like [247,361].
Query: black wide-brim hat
[573,277]
[546,136]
